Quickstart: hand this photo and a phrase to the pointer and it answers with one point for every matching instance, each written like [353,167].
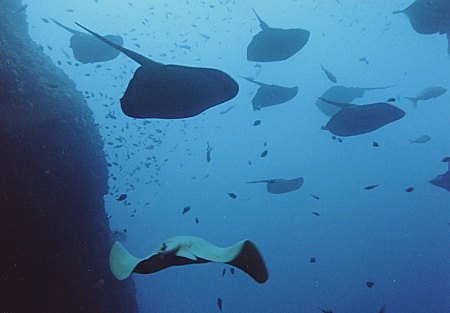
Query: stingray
[341,94]
[269,95]
[275,44]
[171,91]
[280,185]
[429,17]
[87,49]
[185,250]
[443,180]
[354,120]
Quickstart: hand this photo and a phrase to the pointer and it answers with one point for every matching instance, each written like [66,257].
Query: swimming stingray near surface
[429,17]
[269,95]
[342,94]
[275,44]
[354,120]
[185,250]
[443,180]
[87,49]
[171,91]
[280,185]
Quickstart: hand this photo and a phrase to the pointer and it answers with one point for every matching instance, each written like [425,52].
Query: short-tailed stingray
[280,185]
[341,94]
[269,95]
[185,250]
[275,44]
[443,180]
[429,17]
[87,49]
[354,120]
[171,91]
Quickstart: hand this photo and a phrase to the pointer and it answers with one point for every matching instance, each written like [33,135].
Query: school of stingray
[173,91]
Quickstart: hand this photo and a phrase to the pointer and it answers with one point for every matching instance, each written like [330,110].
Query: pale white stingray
[185,250]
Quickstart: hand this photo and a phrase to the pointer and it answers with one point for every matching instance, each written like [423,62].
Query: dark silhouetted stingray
[443,180]
[429,17]
[354,120]
[87,49]
[185,250]
[341,94]
[280,185]
[268,95]
[171,91]
[275,44]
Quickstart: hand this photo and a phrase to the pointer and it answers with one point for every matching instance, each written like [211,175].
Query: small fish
[208,152]
[204,36]
[186,209]
[264,153]
[314,196]
[421,139]
[370,187]
[427,94]
[227,109]
[223,272]
[312,260]
[370,284]
[122,197]
[326,311]
[257,122]
[315,213]
[363,59]
[391,100]
[330,75]
[232,270]
[232,195]
[219,303]
[196,220]
[409,189]
[44,20]
[375,144]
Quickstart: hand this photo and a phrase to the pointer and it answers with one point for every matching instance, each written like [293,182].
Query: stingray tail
[413,100]
[131,54]
[121,262]
[379,88]
[73,31]
[262,24]
[251,262]
[256,181]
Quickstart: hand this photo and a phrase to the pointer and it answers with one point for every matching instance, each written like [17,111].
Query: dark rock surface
[54,233]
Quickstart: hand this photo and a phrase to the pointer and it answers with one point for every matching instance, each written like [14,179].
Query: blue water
[398,240]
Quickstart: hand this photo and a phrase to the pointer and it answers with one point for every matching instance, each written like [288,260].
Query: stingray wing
[280,186]
[357,120]
[270,95]
[87,49]
[442,181]
[276,44]
[423,16]
[243,255]
[192,250]
[121,262]
[173,91]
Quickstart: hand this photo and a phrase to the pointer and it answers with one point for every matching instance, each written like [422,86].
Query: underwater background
[397,240]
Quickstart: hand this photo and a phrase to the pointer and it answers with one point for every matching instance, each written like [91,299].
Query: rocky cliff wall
[54,233]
